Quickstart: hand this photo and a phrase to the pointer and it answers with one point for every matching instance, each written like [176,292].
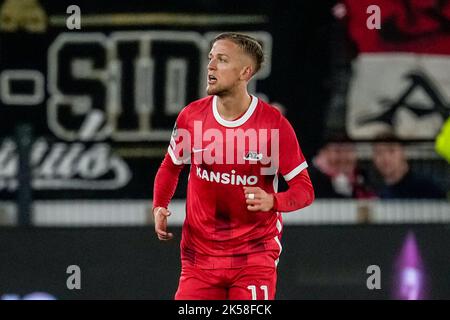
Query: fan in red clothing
[237,146]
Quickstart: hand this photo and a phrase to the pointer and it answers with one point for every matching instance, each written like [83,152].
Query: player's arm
[165,184]
[292,165]
[166,178]
[299,195]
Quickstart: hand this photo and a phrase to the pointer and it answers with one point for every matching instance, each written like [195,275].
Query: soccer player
[237,146]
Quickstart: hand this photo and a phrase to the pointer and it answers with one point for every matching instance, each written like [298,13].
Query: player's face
[228,68]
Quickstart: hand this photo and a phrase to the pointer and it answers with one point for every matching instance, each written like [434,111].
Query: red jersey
[225,156]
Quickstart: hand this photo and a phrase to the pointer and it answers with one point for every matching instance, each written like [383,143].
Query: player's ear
[247,73]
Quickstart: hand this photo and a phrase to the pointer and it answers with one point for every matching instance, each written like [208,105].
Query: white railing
[137,212]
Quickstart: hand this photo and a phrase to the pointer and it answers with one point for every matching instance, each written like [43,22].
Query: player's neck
[230,107]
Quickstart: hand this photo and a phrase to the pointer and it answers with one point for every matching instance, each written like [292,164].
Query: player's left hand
[262,201]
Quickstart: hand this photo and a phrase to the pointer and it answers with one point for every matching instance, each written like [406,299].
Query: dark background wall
[318,262]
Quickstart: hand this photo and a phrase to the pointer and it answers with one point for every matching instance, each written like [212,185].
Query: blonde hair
[248,44]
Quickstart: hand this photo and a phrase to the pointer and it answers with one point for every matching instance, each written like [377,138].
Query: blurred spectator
[390,161]
[335,174]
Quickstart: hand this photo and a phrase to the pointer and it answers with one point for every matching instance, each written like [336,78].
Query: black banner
[102,96]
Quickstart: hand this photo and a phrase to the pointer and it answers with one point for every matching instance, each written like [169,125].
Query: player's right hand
[160,215]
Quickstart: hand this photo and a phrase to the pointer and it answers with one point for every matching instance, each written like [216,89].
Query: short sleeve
[291,159]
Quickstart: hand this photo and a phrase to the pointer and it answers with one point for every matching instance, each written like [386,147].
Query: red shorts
[246,283]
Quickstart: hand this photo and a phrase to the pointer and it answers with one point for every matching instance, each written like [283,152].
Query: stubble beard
[214,91]
[218,91]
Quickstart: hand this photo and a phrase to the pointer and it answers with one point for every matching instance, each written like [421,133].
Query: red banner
[419,26]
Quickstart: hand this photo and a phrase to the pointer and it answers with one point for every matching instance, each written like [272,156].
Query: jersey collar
[238,122]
